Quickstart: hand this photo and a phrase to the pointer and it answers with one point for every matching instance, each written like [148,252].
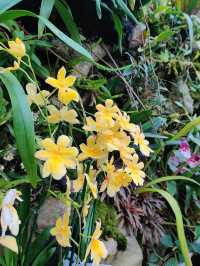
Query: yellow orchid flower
[106,113]
[124,121]
[12,68]
[39,98]
[92,125]
[77,184]
[134,169]
[64,84]
[16,48]
[91,181]
[9,216]
[96,247]
[56,116]
[91,150]
[9,242]
[57,157]
[114,179]
[62,231]
[139,139]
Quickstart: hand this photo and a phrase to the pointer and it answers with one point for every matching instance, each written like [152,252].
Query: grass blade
[45,11]
[14,14]
[23,124]
[98,9]
[179,220]
[6,4]
[170,178]
[67,17]
[184,131]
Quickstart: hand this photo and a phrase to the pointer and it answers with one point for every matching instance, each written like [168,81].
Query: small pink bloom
[183,152]
[194,160]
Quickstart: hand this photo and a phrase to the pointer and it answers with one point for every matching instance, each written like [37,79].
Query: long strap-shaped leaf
[187,128]
[23,124]
[179,220]
[45,11]
[13,14]
[6,4]
[170,178]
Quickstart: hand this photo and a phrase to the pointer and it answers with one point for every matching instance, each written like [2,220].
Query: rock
[49,212]
[111,246]
[132,256]
[82,69]
[137,36]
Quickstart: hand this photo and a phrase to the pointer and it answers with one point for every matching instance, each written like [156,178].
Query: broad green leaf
[169,178]
[164,36]
[179,220]
[45,11]
[171,262]
[167,241]
[44,256]
[23,124]
[187,128]
[6,4]
[197,231]
[67,17]
[14,14]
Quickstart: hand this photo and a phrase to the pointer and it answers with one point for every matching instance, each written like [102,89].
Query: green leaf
[167,241]
[164,36]
[22,13]
[171,187]
[23,124]
[169,178]
[126,10]
[171,262]
[197,231]
[7,184]
[67,17]
[6,4]
[44,257]
[179,220]
[184,131]
[38,245]
[45,11]
[119,29]
[98,9]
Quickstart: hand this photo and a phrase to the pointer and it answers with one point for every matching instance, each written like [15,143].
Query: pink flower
[184,148]
[194,160]
[183,153]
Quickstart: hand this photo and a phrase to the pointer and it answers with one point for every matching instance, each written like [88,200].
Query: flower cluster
[17,50]
[112,132]
[110,151]
[182,160]
[10,220]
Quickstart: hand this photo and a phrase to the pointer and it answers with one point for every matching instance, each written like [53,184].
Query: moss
[108,216]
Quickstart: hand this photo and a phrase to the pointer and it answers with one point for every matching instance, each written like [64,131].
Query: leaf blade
[23,124]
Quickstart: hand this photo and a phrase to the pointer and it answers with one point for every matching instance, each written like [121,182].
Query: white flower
[9,216]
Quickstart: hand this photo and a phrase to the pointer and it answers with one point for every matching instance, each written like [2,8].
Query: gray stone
[49,212]
[132,256]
